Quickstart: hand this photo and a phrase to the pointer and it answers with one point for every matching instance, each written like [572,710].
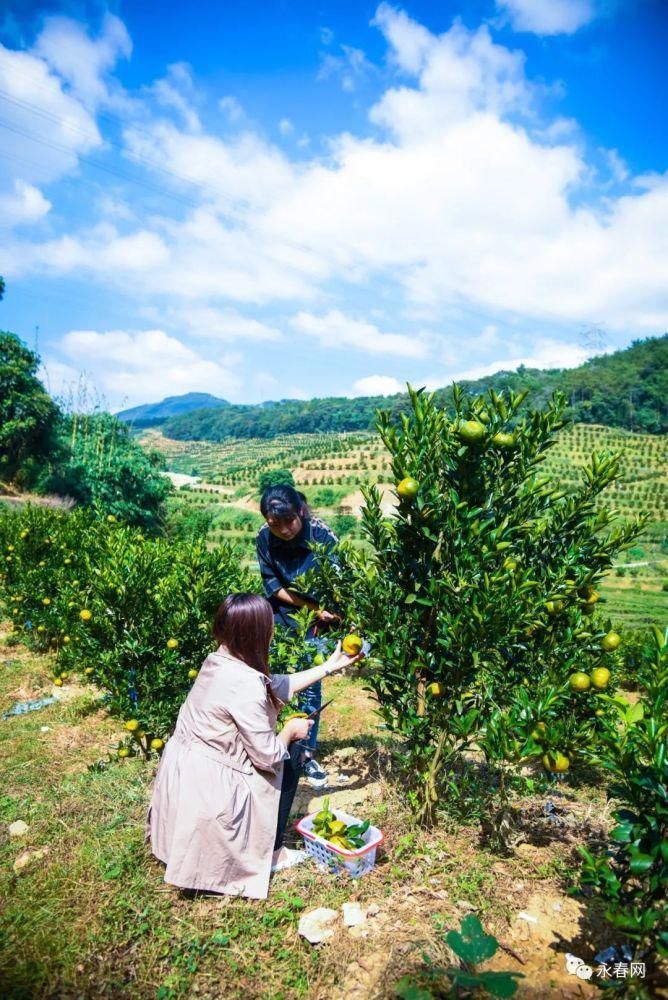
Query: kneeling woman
[213,815]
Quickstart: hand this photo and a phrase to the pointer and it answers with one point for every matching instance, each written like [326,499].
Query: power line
[142,160]
[100,166]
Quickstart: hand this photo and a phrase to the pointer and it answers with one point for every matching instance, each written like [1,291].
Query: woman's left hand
[339,660]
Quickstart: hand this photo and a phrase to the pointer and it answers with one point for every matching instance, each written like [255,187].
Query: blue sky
[297,199]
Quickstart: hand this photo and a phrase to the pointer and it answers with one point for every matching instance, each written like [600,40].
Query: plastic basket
[337,859]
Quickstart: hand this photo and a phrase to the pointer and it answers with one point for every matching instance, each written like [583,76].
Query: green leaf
[640,863]
[409,991]
[472,944]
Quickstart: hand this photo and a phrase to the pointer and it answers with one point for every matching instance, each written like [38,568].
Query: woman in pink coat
[213,814]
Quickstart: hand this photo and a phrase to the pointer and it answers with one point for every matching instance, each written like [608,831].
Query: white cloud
[209,323]
[37,108]
[351,68]
[548,17]
[174,91]
[285,126]
[231,108]
[377,385]
[466,201]
[24,205]
[544,353]
[335,330]
[147,365]
[80,60]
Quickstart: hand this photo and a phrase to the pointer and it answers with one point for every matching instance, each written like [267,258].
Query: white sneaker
[314,774]
[289,859]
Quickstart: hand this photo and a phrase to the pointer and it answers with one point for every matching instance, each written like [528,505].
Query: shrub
[473,594]
[631,877]
[108,600]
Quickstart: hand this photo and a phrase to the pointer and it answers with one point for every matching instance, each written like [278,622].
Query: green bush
[474,594]
[273,477]
[101,465]
[631,877]
[108,600]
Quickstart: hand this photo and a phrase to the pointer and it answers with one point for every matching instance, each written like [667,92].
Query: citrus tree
[129,613]
[631,875]
[479,594]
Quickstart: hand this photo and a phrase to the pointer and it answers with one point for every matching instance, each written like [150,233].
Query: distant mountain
[156,413]
[627,389]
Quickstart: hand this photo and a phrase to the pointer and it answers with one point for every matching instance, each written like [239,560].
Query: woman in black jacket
[284,553]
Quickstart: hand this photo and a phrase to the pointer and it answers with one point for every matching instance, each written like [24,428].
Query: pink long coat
[214,808]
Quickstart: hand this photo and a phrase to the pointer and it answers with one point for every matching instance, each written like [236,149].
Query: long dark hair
[244,624]
[283,502]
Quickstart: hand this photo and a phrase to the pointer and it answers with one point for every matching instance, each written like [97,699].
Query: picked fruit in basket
[348,836]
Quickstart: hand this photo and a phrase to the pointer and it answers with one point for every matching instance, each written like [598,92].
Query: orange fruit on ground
[600,677]
[408,488]
[611,641]
[351,645]
[579,681]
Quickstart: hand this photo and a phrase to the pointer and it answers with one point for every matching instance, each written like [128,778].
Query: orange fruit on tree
[352,644]
[408,488]
[610,642]
[579,681]
[472,431]
[539,732]
[123,752]
[503,440]
[132,725]
[318,660]
[85,615]
[157,744]
[600,677]
[172,644]
[192,674]
[556,762]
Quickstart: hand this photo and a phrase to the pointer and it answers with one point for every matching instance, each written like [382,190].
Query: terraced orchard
[221,481]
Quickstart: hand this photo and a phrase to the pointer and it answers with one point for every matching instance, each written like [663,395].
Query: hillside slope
[627,389]
[172,406]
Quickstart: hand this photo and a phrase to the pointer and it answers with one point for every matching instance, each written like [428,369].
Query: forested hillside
[626,389]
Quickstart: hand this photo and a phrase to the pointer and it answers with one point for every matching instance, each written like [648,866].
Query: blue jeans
[308,701]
